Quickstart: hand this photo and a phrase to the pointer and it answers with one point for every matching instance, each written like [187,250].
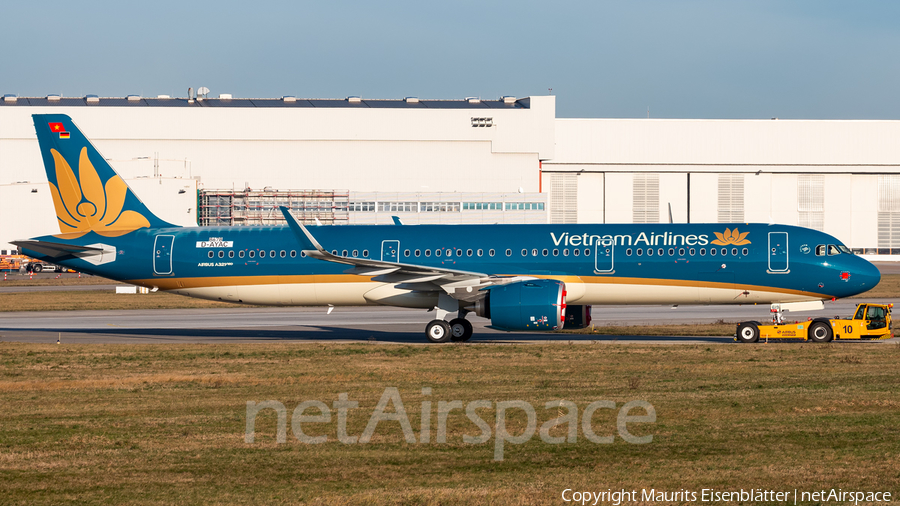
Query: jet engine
[538,304]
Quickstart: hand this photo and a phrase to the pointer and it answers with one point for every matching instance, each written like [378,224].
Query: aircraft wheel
[748,333]
[820,332]
[438,331]
[460,330]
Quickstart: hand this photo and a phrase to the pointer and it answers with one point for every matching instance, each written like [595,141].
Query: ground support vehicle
[870,321]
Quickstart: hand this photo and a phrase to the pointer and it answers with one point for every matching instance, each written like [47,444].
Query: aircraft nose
[865,275]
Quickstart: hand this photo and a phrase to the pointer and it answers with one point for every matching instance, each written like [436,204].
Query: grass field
[165,424]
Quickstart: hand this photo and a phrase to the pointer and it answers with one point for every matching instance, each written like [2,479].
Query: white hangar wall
[394,151]
[841,177]
[390,158]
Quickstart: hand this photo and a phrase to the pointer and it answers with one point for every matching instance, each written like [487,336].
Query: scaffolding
[261,207]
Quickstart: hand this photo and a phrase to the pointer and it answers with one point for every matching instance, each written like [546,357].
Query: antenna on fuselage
[670,213]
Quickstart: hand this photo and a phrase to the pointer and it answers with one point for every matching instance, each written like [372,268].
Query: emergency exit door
[390,251]
[162,254]
[778,252]
[603,261]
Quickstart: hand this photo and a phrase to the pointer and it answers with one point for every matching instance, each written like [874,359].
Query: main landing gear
[458,330]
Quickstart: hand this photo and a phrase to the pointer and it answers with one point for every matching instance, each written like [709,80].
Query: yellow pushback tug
[871,321]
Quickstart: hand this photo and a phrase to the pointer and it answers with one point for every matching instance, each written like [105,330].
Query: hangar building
[228,160]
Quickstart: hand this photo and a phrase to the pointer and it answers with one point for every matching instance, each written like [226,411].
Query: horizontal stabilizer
[56,249]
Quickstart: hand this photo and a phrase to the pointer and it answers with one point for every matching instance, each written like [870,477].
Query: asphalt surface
[357,324]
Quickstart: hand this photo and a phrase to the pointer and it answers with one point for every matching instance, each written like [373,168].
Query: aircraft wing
[462,285]
[56,249]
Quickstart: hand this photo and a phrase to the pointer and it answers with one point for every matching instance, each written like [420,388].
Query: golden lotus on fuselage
[85,204]
[731,238]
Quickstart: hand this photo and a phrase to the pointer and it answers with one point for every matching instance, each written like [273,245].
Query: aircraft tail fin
[88,194]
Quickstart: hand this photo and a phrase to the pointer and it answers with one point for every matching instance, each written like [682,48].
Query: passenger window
[405,253]
[210,255]
[555,252]
[820,250]
[293,253]
[649,252]
[458,253]
[745,252]
[681,252]
[356,253]
[418,252]
[282,254]
[252,253]
[343,253]
[366,253]
[480,252]
[437,252]
[534,252]
[576,251]
[628,252]
[671,251]
[524,252]
[428,252]
[491,252]
[712,251]
[692,251]
[724,251]
[241,254]
[702,251]
[469,253]
[272,253]
[640,252]
[833,250]
[302,254]
[262,253]
[221,254]
[231,254]
[587,252]
[565,252]
[734,252]
[660,252]
[545,252]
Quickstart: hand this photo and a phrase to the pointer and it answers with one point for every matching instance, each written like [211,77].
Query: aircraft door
[390,251]
[162,254]
[778,252]
[603,259]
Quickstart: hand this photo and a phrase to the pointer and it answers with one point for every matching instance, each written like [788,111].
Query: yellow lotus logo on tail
[731,237]
[87,205]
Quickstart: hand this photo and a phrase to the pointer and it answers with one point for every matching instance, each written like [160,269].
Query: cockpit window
[844,249]
[820,250]
[833,250]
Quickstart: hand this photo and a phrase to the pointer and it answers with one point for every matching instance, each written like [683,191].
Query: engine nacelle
[578,317]
[538,304]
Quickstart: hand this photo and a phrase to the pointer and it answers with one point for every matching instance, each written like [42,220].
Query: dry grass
[96,300]
[164,424]
[888,288]
[14,280]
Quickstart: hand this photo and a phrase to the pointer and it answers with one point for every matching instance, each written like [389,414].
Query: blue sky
[683,59]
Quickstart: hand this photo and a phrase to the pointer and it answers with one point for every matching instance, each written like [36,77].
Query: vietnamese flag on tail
[59,128]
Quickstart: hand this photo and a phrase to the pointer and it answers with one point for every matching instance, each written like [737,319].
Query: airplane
[521,277]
